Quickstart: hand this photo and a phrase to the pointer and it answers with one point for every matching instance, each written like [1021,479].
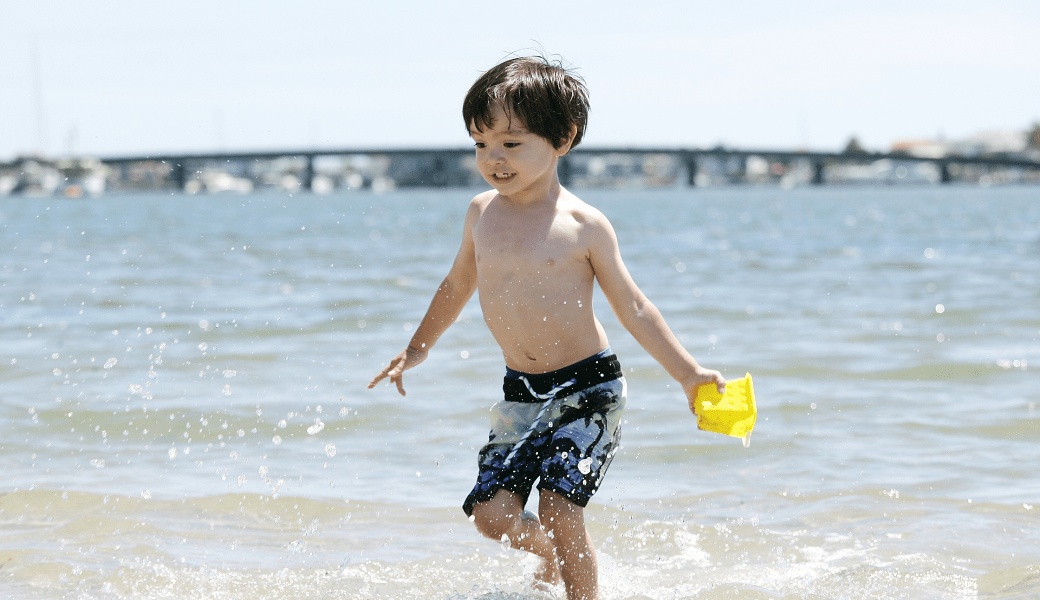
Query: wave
[864,543]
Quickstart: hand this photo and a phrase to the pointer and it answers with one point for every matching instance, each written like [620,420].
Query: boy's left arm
[639,316]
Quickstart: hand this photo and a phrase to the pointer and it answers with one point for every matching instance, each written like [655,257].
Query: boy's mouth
[502,176]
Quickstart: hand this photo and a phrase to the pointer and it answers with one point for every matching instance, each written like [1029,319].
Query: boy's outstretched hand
[700,377]
[407,359]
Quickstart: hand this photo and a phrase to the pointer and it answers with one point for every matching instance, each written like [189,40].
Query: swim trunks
[561,427]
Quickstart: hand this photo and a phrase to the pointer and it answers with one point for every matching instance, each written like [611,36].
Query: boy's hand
[700,377]
[407,359]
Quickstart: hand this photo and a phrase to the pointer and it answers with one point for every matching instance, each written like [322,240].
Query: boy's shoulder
[581,211]
[484,198]
[567,204]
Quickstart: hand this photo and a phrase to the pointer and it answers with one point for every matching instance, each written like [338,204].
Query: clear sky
[114,78]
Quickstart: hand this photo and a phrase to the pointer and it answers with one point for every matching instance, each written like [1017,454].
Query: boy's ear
[565,148]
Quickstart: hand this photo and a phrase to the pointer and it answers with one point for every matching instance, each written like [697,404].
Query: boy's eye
[479,144]
[511,144]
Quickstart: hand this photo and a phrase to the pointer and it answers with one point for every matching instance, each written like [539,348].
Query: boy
[533,250]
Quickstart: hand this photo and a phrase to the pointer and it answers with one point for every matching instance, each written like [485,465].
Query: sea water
[183,410]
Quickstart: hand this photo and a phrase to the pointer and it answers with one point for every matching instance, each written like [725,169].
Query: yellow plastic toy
[732,413]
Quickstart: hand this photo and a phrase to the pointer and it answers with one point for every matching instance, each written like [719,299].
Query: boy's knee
[494,521]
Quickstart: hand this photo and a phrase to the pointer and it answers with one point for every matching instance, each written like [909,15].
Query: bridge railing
[586,166]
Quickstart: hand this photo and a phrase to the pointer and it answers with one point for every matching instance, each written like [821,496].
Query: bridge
[440,167]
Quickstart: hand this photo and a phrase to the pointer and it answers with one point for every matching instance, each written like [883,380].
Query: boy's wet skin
[535,279]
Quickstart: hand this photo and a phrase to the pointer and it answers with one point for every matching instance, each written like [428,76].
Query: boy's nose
[495,155]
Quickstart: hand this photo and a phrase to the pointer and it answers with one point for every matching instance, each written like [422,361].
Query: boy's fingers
[387,372]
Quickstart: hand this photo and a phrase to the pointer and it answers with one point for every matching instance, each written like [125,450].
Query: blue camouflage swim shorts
[561,428]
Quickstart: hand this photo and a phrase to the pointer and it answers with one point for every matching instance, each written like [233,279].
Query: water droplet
[110,363]
[203,346]
[585,465]
[939,308]
[172,452]
[317,427]
[747,440]
[57,372]
[227,390]
[330,449]
[277,440]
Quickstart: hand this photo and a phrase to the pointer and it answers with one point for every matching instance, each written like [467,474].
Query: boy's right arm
[451,296]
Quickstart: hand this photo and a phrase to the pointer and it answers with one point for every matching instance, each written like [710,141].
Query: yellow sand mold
[732,413]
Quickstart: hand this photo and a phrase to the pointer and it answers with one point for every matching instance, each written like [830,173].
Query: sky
[107,78]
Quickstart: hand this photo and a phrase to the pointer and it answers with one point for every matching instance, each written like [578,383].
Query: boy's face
[512,159]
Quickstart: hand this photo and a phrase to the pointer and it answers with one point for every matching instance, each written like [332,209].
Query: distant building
[922,148]
[995,141]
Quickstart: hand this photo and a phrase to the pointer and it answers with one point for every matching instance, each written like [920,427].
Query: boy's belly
[537,340]
[539,310]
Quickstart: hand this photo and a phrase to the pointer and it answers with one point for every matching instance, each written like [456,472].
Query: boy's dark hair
[546,98]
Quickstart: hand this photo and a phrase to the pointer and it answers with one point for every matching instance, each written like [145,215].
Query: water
[183,411]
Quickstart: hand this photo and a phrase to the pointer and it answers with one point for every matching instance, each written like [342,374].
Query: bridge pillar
[179,174]
[817,177]
[564,170]
[308,173]
[691,169]
[944,171]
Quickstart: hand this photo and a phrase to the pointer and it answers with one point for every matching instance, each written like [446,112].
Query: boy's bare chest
[537,245]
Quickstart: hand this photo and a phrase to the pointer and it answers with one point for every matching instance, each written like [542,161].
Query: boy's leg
[565,522]
[504,515]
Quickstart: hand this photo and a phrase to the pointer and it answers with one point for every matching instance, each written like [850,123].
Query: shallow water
[183,411]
